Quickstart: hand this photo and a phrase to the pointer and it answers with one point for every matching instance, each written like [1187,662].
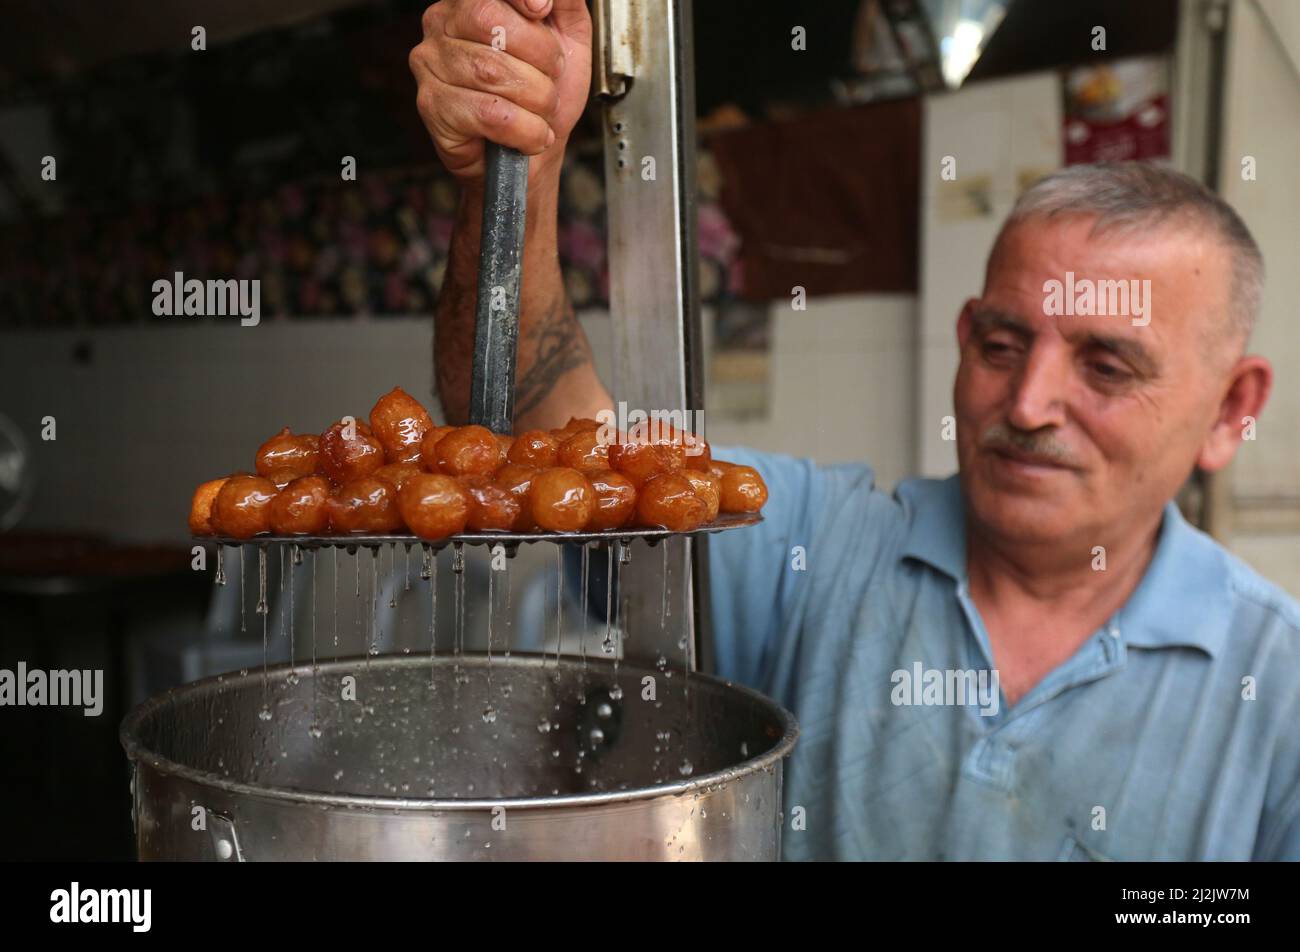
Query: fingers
[499,25]
[533,9]
[570,16]
[459,119]
[487,69]
[478,67]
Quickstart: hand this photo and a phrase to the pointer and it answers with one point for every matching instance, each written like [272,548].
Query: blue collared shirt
[1172,733]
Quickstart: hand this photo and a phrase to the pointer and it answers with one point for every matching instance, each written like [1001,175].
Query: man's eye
[997,348]
[1110,372]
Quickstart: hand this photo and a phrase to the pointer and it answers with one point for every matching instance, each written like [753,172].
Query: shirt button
[1114,631]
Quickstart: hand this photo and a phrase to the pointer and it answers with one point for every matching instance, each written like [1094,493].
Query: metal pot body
[404,758]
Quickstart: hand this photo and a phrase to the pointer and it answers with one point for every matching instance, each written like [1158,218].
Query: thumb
[571,18]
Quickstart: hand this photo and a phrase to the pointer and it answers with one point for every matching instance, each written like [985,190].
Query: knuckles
[424,101]
[552,103]
[483,16]
[492,111]
[487,68]
[415,60]
[431,20]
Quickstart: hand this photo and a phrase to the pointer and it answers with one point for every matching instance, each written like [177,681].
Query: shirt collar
[1183,600]
[937,528]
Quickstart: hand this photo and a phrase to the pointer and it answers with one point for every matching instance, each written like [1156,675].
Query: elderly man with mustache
[1037,658]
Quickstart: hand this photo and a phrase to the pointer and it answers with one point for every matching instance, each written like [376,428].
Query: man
[1037,658]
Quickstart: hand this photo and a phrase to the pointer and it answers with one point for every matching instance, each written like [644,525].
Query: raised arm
[500,70]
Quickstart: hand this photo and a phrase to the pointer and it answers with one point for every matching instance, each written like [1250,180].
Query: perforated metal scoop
[510,540]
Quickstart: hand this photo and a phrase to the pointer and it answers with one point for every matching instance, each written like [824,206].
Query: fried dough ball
[584,452]
[517,480]
[492,508]
[428,446]
[282,477]
[718,466]
[302,507]
[344,460]
[399,422]
[534,448]
[201,506]
[615,500]
[669,501]
[505,441]
[434,505]
[469,451]
[368,504]
[743,490]
[698,453]
[574,426]
[242,508]
[288,454]
[398,473]
[641,461]
[709,488]
[561,499]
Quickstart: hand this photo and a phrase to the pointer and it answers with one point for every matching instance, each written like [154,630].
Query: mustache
[1041,443]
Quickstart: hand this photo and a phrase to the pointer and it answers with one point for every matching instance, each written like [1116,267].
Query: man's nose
[1039,392]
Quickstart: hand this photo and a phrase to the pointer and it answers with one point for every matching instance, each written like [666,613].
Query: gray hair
[1128,195]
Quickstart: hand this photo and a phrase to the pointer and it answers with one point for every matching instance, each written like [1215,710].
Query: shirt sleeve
[755,574]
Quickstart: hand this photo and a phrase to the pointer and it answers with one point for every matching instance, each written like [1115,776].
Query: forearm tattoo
[554,345]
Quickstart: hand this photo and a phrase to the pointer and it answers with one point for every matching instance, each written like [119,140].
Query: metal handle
[500,263]
[225,841]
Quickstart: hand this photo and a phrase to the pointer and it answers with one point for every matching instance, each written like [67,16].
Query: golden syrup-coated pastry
[282,477]
[469,451]
[534,448]
[640,461]
[288,453]
[399,422]
[670,501]
[615,500]
[349,452]
[353,478]
[429,446]
[368,504]
[518,480]
[575,425]
[242,508]
[709,488]
[584,452]
[302,507]
[398,473]
[698,452]
[434,505]
[201,506]
[743,490]
[492,508]
[717,467]
[561,500]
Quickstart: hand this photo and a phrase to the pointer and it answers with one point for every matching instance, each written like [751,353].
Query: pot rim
[138,754]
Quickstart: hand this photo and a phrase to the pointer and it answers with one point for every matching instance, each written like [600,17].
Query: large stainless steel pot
[519,758]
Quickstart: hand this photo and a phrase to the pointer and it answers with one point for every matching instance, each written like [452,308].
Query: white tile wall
[996,129]
[1261,103]
[1261,89]
[842,383]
